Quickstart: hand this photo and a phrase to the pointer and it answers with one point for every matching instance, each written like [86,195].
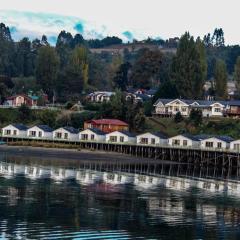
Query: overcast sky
[125,18]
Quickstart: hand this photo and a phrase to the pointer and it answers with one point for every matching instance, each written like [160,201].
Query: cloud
[79,28]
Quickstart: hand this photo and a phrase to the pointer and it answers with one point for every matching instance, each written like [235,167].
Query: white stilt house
[120,137]
[15,130]
[40,131]
[184,140]
[66,133]
[156,138]
[216,142]
[92,134]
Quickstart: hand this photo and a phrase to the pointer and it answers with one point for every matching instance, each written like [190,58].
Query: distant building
[40,131]
[66,133]
[20,99]
[99,96]
[184,140]
[152,138]
[92,134]
[107,125]
[120,137]
[216,142]
[15,130]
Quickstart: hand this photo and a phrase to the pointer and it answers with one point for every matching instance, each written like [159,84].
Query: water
[63,199]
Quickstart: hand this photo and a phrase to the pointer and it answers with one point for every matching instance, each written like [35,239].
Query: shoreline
[72,154]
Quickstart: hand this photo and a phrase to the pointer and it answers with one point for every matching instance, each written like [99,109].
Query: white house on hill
[92,134]
[152,138]
[14,130]
[66,133]
[40,131]
[120,137]
[184,140]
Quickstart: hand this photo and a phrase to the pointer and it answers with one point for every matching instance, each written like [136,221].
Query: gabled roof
[97,131]
[189,136]
[20,127]
[127,133]
[108,121]
[160,135]
[222,138]
[45,128]
[71,130]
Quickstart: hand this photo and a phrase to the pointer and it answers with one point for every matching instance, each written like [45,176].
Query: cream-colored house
[66,133]
[120,137]
[184,140]
[92,135]
[235,145]
[40,131]
[14,130]
[156,138]
[216,142]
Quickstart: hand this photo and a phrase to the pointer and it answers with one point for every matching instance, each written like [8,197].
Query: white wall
[237,147]
[215,142]
[118,135]
[150,136]
[36,129]
[180,138]
[19,133]
[217,109]
[98,138]
[71,136]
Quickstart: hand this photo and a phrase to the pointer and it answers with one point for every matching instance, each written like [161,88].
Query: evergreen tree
[237,75]
[178,117]
[188,72]
[121,77]
[220,78]
[139,121]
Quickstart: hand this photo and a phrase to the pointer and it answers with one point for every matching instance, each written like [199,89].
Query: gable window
[92,136]
[84,136]
[219,145]
[176,142]
[144,140]
[121,139]
[33,134]
[58,135]
[40,134]
[65,135]
[217,109]
[8,132]
[236,146]
[209,144]
[113,139]
[184,109]
[153,141]
[185,142]
[14,132]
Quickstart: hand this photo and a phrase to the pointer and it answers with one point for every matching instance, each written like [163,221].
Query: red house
[18,100]
[107,125]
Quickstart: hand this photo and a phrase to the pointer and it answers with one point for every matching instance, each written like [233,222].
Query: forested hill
[76,66]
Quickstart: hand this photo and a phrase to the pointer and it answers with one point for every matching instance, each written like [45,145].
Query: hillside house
[66,133]
[100,96]
[40,131]
[120,137]
[107,125]
[20,99]
[152,139]
[215,142]
[15,130]
[92,134]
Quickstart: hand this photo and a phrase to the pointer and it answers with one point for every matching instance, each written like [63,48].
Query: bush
[178,118]
[195,117]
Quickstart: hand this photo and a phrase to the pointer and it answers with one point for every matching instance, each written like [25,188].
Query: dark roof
[20,127]
[108,121]
[97,131]
[160,135]
[189,136]
[71,130]
[127,133]
[222,138]
[45,128]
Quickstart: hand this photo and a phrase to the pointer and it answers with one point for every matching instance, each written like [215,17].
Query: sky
[128,19]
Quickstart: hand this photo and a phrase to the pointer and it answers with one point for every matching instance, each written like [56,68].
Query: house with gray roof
[92,134]
[121,137]
[40,131]
[14,130]
[156,138]
[215,142]
[184,140]
[66,133]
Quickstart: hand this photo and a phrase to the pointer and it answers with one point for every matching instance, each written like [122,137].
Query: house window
[217,109]
[153,141]
[184,109]
[236,146]
[185,142]
[176,142]
[32,133]
[14,132]
[144,141]
[58,135]
[176,109]
[40,134]
[7,132]
[219,145]
[84,136]
[113,139]
[92,136]
[121,139]
[209,144]
[65,135]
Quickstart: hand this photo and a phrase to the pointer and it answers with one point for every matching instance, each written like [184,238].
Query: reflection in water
[45,199]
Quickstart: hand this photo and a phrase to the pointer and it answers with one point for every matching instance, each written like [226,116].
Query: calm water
[58,199]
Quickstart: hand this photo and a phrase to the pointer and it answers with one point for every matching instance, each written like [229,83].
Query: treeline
[70,70]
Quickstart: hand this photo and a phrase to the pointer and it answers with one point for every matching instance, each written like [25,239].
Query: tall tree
[220,78]
[47,69]
[188,72]
[121,77]
[237,75]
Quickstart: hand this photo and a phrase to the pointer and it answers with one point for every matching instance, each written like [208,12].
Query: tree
[118,105]
[145,71]
[48,117]
[237,75]
[196,117]
[139,121]
[218,37]
[188,71]
[220,78]
[121,77]
[178,117]
[47,69]
[24,113]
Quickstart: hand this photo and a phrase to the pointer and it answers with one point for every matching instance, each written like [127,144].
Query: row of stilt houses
[122,137]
